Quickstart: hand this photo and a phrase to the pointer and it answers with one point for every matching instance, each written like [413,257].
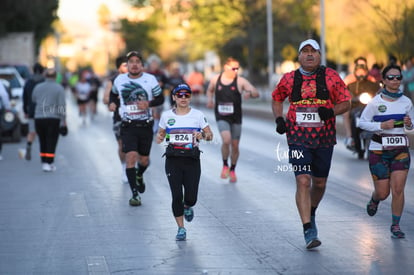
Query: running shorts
[137,137]
[234,128]
[383,163]
[312,161]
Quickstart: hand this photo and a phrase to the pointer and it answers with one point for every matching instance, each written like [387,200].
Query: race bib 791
[308,117]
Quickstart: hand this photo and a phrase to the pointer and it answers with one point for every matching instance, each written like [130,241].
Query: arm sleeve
[114,94]
[158,100]
[113,98]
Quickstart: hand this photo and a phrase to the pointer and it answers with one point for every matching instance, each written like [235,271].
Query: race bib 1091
[390,142]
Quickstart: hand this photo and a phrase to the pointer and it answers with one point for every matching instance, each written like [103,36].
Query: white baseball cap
[311,42]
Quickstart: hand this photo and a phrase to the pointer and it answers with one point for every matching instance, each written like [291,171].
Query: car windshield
[14,82]
[23,71]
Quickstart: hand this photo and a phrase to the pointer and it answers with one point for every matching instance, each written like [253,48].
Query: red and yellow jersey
[304,126]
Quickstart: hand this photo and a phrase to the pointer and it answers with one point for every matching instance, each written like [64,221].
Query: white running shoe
[46,167]
[22,153]
[124,176]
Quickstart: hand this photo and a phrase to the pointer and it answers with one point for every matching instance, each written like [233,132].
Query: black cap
[134,53]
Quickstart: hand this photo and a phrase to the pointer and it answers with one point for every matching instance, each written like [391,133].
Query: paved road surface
[77,220]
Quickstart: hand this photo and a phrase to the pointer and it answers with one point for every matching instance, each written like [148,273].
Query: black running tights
[183,172]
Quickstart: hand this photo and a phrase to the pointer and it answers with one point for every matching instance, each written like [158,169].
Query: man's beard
[135,73]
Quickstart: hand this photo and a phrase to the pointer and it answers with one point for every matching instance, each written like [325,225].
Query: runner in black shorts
[137,91]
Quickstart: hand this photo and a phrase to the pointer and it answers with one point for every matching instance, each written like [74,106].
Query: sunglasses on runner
[392,77]
[183,95]
[233,68]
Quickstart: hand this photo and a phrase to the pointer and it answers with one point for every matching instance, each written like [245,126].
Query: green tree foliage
[143,3]
[234,28]
[238,28]
[371,28]
[293,22]
[395,24]
[157,32]
[137,36]
[28,16]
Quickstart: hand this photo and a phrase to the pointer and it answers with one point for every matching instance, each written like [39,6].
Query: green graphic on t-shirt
[133,92]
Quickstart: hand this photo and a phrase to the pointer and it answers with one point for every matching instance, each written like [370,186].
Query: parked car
[23,70]
[9,119]
[16,84]
[16,80]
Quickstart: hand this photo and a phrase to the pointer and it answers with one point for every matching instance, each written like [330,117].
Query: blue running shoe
[188,214]
[311,239]
[181,234]
[396,232]
[313,223]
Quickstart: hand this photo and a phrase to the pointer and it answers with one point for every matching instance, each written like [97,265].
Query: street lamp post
[323,52]
[270,41]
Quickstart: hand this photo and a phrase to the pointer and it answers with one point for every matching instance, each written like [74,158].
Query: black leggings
[48,131]
[183,172]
